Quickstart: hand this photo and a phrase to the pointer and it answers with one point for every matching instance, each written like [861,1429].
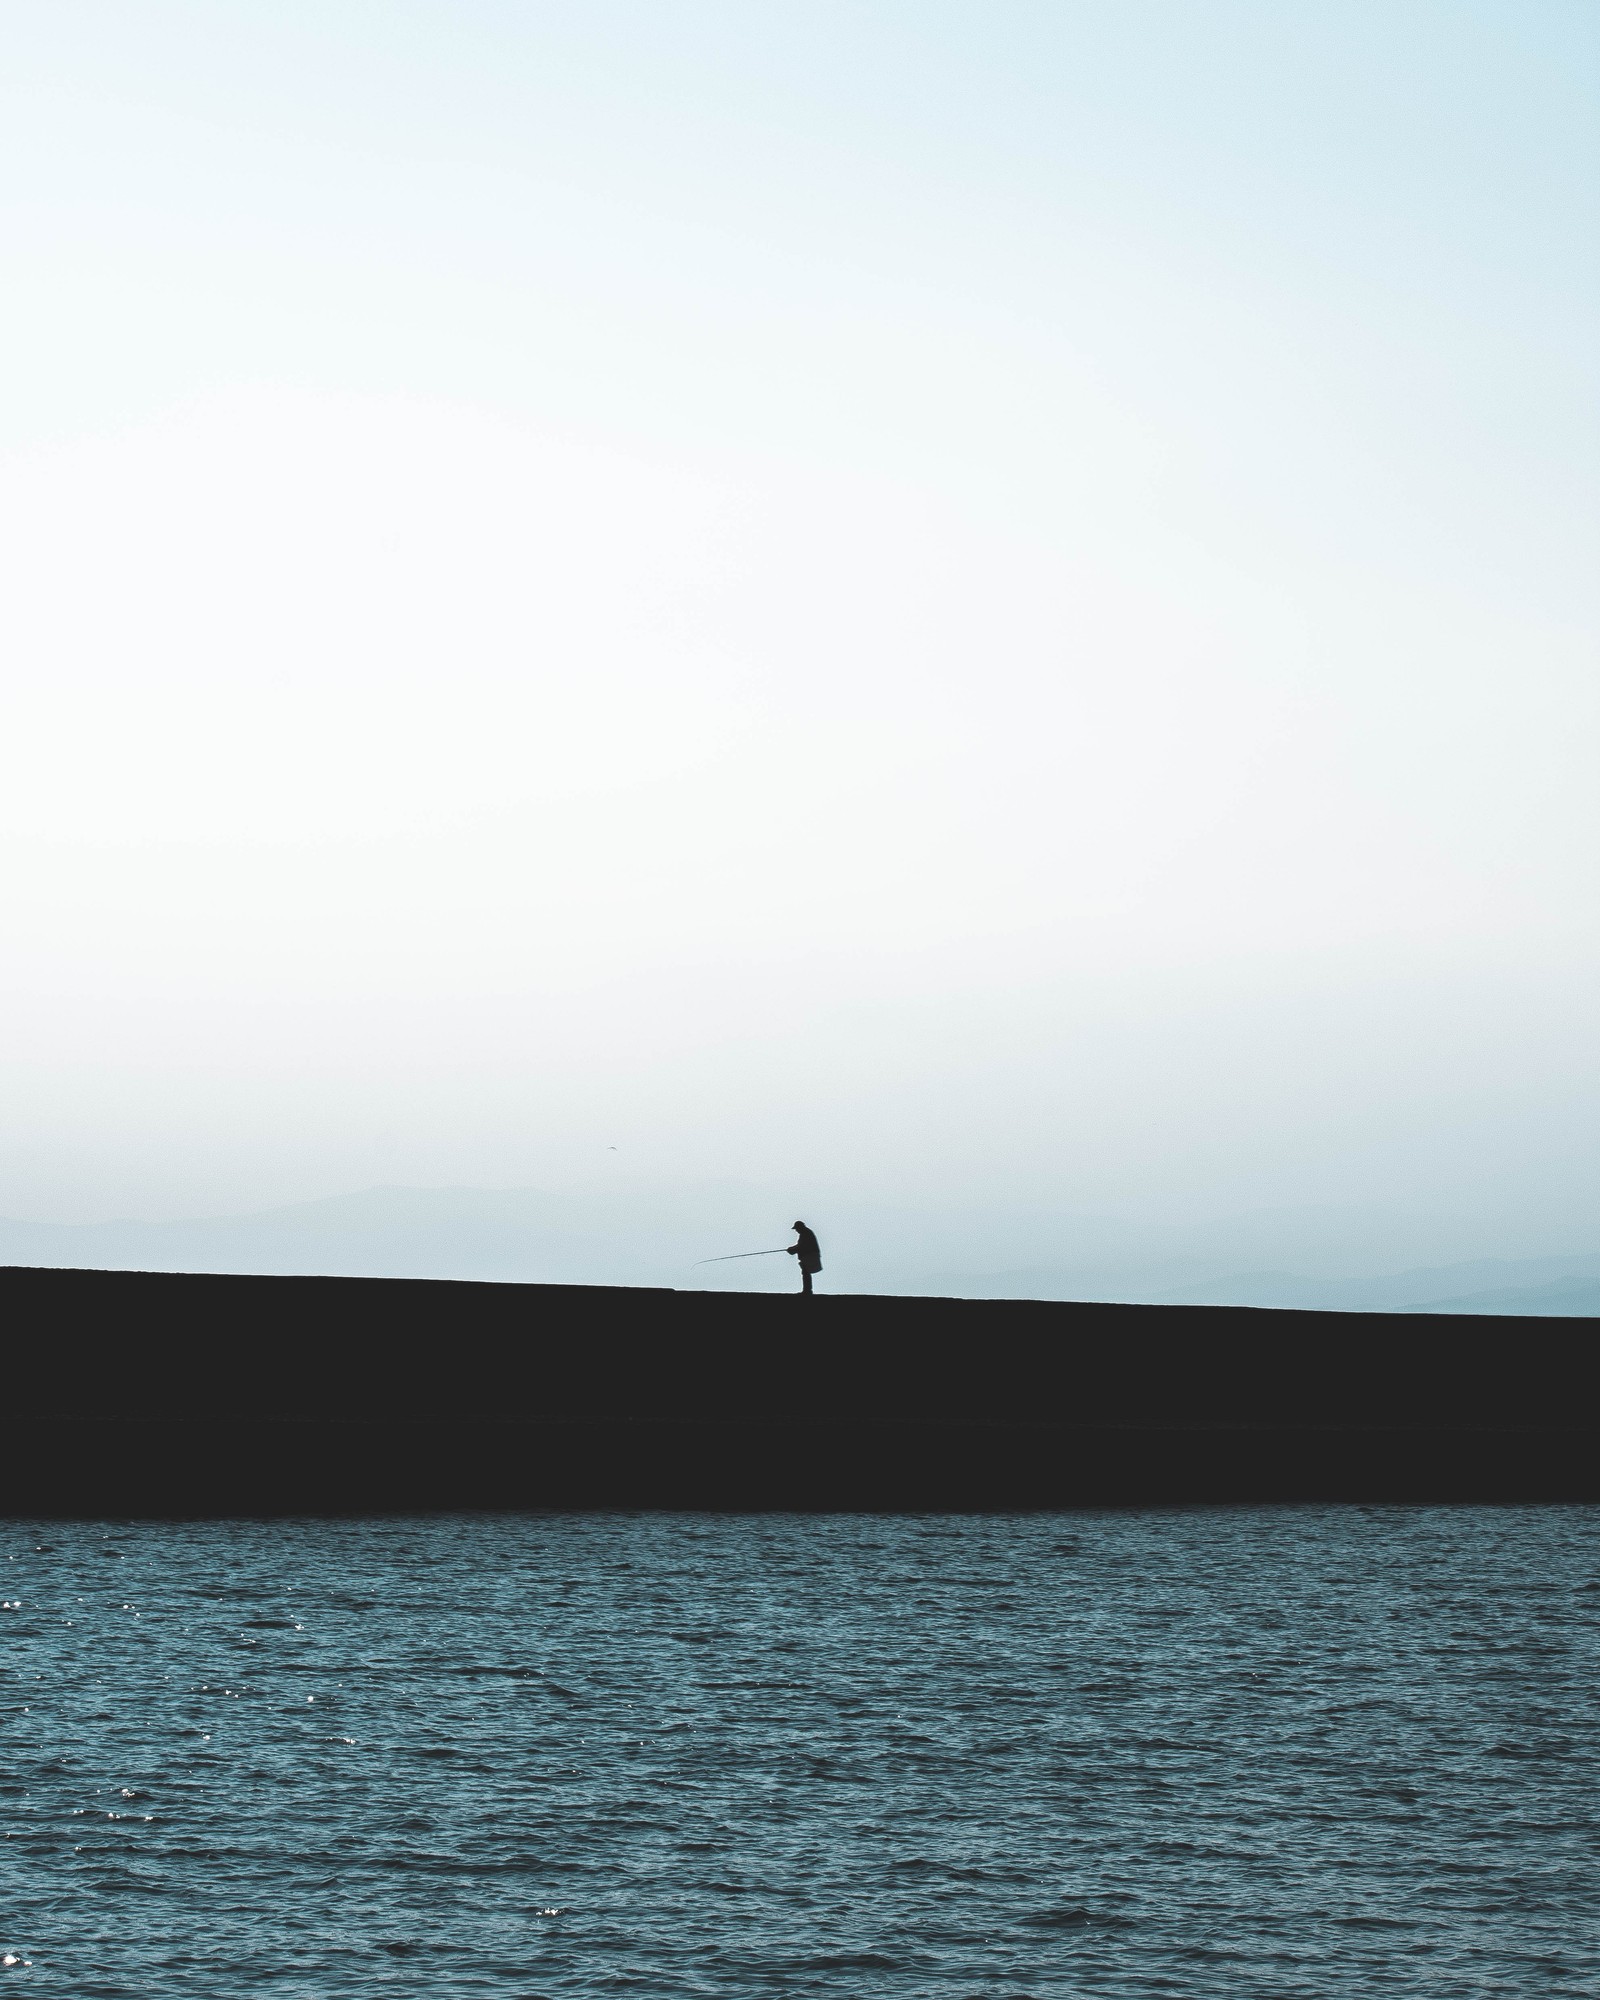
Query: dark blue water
[1238,1753]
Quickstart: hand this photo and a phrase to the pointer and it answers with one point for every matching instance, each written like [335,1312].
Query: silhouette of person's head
[797,1225]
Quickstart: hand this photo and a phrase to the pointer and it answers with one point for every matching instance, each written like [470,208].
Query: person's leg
[805,1282]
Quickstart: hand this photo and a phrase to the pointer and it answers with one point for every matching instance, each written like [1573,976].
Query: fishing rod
[734,1256]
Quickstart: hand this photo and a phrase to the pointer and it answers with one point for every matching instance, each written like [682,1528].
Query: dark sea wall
[146,1393]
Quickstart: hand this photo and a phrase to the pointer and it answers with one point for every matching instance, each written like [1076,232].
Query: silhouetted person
[809,1254]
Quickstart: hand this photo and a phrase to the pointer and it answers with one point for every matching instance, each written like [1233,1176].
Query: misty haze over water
[1336,1259]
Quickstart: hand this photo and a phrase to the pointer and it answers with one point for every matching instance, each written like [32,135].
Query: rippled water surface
[1238,1753]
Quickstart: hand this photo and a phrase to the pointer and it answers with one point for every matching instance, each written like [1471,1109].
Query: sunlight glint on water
[1254,1753]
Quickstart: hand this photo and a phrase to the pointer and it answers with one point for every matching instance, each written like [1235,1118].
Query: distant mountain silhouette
[1575,1298]
[518,1234]
[1445,1288]
[623,1233]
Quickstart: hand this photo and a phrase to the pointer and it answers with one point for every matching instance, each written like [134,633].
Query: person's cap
[797,1225]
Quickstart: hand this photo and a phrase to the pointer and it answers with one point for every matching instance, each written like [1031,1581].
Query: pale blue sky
[930,598]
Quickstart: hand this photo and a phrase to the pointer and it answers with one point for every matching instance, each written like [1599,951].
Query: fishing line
[734,1256]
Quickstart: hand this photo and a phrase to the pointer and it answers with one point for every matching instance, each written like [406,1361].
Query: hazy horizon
[621,1232]
[960,612]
